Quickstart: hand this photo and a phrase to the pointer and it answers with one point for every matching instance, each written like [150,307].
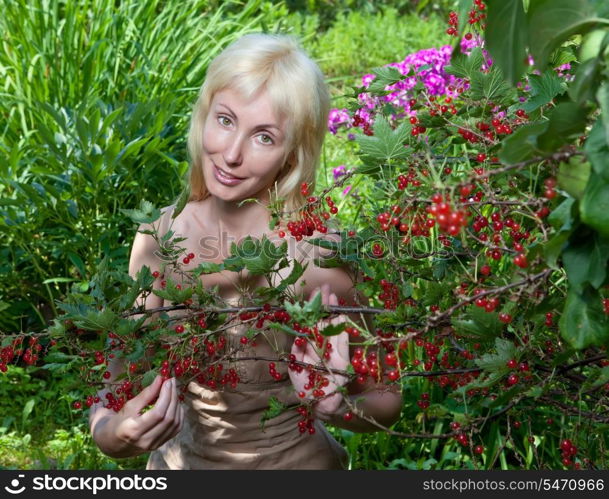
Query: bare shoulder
[145,247]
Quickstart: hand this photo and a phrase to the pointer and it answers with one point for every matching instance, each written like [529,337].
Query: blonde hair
[297,90]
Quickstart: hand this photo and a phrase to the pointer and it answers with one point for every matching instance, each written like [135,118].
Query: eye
[265,139]
[224,120]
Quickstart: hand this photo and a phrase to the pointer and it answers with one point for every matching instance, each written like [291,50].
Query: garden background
[96,98]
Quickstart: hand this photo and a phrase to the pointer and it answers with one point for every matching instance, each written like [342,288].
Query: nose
[233,154]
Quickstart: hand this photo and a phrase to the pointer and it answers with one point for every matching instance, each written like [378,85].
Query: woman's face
[244,146]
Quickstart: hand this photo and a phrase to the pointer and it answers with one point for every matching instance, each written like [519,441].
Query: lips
[226,178]
[228,175]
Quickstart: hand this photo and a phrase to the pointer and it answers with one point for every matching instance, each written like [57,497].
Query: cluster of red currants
[488,304]
[309,222]
[277,376]
[10,353]
[390,294]
[568,452]
[409,179]
[446,106]
[524,369]
[265,315]
[358,121]
[365,365]
[306,423]
[449,221]
[423,402]
[475,15]
[124,392]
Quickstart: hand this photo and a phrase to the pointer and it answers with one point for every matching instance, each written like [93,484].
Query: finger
[155,415]
[311,354]
[146,397]
[325,294]
[332,300]
[166,429]
[181,419]
[313,293]
[343,345]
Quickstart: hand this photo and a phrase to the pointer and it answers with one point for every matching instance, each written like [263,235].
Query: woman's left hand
[328,404]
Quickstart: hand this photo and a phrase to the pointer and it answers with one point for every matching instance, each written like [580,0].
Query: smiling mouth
[226,175]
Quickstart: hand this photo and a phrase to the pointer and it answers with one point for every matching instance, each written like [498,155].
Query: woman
[257,127]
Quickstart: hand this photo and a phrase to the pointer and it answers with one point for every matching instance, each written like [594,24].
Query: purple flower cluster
[336,118]
[426,66]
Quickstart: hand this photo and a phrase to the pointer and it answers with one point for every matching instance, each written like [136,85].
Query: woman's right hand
[130,432]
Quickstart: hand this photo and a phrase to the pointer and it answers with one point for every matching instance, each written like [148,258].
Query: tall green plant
[95,99]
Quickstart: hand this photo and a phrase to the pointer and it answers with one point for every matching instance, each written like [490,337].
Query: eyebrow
[258,127]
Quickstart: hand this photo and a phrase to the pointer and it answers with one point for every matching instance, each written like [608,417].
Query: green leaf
[567,120]
[573,176]
[497,362]
[296,273]
[259,256]
[593,44]
[491,86]
[544,88]
[563,220]
[385,76]
[463,8]
[57,279]
[145,214]
[479,322]
[149,377]
[602,96]
[329,244]
[208,268]
[332,329]
[181,202]
[551,22]
[466,66]
[562,216]
[597,377]
[127,327]
[94,320]
[564,55]
[585,259]
[597,150]
[594,206]
[506,37]
[307,314]
[172,293]
[386,144]
[60,357]
[285,329]
[138,352]
[27,410]
[522,144]
[554,247]
[583,322]
[275,409]
[585,81]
